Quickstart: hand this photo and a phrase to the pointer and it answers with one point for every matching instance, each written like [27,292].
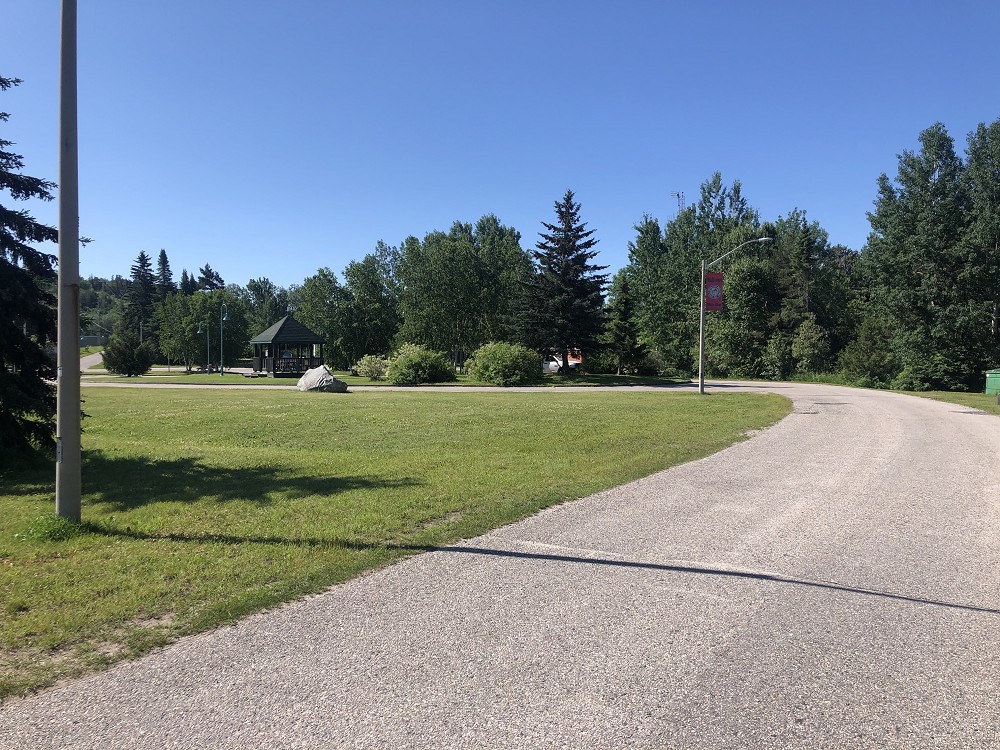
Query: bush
[868,359]
[124,355]
[414,365]
[500,363]
[778,358]
[602,362]
[372,366]
[811,346]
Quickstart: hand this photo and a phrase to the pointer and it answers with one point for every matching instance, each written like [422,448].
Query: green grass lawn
[177,376]
[202,506]
[975,400]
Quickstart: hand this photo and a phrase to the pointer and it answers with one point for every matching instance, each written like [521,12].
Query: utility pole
[68,330]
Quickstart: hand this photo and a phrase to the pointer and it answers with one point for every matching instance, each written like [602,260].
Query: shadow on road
[771,577]
[106,530]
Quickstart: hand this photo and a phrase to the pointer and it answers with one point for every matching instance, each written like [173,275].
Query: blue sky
[275,138]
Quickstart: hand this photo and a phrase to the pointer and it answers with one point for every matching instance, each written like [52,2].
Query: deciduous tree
[371,316]
[920,271]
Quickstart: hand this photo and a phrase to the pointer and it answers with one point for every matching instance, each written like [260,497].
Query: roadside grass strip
[979,401]
[201,506]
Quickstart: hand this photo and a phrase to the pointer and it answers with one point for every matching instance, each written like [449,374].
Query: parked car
[552,364]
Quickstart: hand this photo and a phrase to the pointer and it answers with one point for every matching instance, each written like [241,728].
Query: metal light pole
[223,317]
[701,324]
[68,323]
[208,356]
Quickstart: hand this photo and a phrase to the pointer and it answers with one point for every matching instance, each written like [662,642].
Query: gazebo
[287,349]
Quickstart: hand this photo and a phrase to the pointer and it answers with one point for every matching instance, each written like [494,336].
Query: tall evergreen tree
[621,337]
[164,277]
[27,312]
[189,284]
[209,279]
[141,298]
[565,297]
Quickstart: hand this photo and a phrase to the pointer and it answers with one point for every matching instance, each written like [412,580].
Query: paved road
[91,360]
[830,583]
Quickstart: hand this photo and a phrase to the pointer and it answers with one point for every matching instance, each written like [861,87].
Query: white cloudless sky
[275,138]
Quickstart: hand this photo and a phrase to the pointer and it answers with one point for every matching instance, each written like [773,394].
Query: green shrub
[779,362]
[372,366]
[868,359]
[124,355]
[414,365]
[602,362]
[811,346]
[500,363]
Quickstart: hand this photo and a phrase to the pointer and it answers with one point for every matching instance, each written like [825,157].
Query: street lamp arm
[748,242]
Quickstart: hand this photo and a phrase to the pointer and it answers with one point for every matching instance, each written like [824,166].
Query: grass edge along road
[162,376]
[201,506]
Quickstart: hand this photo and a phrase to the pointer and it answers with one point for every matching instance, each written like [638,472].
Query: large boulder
[321,379]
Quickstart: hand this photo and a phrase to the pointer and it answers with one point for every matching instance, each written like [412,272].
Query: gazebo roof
[287,331]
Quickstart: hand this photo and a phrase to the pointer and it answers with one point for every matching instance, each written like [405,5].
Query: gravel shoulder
[831,582]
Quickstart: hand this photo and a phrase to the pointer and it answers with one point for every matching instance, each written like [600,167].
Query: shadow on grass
[127,483]
[98,527]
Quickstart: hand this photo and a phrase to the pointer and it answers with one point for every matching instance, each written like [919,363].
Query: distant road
[832,582]
[91,360]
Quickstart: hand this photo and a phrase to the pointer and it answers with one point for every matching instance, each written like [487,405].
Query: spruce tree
[621,336]
[164,278]
[209,279]
[189,284]
[564,300]
[27,312]
[139,302]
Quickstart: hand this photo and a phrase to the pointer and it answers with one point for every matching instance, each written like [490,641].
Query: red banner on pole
[713,291]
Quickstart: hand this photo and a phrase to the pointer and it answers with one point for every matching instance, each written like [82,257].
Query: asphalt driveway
[831,582]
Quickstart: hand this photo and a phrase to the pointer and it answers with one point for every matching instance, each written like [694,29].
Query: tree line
[450,292]
[918,307]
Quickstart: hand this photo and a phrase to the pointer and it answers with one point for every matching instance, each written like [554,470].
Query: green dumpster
[992,382]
